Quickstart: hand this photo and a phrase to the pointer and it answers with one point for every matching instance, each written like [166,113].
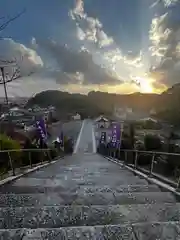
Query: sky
[119,46]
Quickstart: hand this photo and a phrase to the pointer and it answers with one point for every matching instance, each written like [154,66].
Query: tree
[12,65]
[152,143]
[6,143]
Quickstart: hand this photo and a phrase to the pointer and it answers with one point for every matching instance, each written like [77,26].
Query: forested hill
[96,103]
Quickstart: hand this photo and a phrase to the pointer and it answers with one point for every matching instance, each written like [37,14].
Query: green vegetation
[152,143]
[6,143]
[20,158]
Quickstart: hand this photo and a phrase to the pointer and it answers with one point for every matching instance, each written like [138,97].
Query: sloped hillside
[95,103]
[66,103]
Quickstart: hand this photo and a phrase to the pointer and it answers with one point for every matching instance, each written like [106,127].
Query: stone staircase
[85,196]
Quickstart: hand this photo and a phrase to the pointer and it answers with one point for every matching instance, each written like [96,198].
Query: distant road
[86,138]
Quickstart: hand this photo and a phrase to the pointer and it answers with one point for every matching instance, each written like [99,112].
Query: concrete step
[8,188]
[77,172]
[142,231]
[81,181]
[81,198]
[121,189]
[66,216]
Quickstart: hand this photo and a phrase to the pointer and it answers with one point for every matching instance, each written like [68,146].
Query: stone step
[8,188]
[121,189]
[66,216]
[81,198]
[81,181]
[73,172]
[142,231]
[75,175]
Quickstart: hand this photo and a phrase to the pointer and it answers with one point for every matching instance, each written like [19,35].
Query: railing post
[125,157]
[136,160]
[11,164]
[114,153]
[43,155]
[49,155]
[30,159]
[178,185]
[111,152]
[119,153]
[152,165]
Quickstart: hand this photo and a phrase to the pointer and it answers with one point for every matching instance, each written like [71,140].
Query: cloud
[89,28]
[164,35]
[133,59]
[73,64]
[28,86]
[94,60]
[104,47]
[27,59]
[154,4]
[166,3]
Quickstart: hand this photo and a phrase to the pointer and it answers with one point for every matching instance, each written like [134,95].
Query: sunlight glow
[146,87]
[145,83]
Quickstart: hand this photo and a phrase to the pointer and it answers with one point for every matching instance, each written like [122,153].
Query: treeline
[166,104]
[67,103]
[93,104]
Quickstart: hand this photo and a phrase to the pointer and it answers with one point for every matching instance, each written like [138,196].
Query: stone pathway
[84,196]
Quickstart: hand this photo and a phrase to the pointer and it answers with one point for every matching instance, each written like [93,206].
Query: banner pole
[122,129]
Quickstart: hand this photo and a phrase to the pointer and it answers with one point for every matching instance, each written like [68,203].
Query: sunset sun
[146,87]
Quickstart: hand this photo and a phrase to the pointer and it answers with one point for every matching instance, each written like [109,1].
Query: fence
[16,161]
[161,165]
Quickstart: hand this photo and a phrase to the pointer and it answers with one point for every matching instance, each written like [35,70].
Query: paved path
[85,196]
[86,139]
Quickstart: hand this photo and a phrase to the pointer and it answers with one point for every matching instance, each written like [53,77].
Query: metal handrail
[26,150]
[12,166]
[150,152]
[153,167]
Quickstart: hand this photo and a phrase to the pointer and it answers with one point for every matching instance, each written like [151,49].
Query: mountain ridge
[96,102]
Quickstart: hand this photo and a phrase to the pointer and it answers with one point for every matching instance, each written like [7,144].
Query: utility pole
[6,77]
[9,71]
[4,85]
[4,22]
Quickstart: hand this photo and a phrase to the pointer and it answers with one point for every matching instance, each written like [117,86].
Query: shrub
[6,143]
[152,143]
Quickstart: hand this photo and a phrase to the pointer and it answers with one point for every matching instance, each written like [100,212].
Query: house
[102,122]
[77,116]
[149,119]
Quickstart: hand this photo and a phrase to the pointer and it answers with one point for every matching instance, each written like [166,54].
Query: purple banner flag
[41,127]
[116,134]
